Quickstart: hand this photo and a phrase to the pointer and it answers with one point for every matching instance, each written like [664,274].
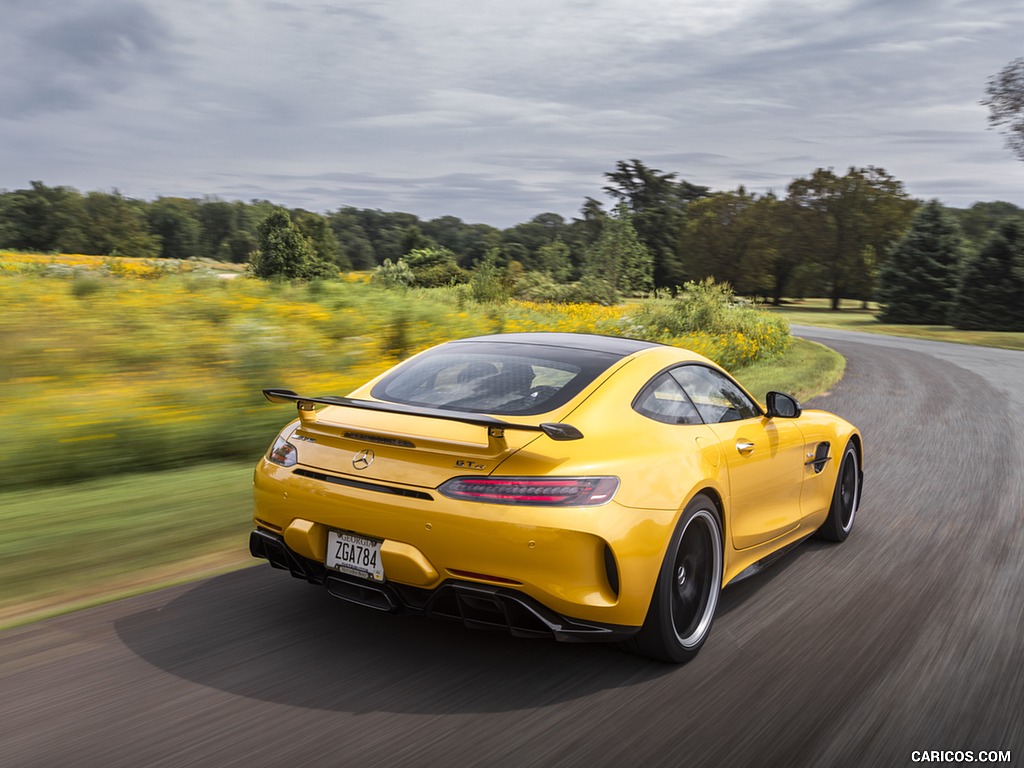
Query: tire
[845,498]
[686,594]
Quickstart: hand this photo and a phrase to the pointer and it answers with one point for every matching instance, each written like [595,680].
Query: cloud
[69,62]
[495,111]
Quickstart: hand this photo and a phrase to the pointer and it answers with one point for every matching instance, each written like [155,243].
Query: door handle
[744,446]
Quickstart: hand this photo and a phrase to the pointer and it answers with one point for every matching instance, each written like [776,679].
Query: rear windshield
[494,377]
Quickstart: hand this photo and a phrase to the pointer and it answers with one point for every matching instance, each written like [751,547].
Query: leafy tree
[386,231]
[514,253]
[476,242]
[918,281]
[446,231]
[325,243]
[413,239]
[116,226]
[619,257]
[554,259]
[352,239]
[776,266]
[836,219]
[469,242]
[1006,104]
[992,283]
[540,231]
[980,220]
[176,222]
[657,203]
[42,218]
[237,248]
[219,220]
[723,238]
[285,252]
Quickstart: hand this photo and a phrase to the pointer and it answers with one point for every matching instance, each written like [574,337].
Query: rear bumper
[478,606]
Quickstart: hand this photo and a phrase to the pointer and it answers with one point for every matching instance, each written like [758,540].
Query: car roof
[615,345]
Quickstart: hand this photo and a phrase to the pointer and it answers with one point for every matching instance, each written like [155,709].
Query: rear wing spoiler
[554,430]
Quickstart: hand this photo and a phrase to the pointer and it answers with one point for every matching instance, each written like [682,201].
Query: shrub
[590,289]
[393,275]
[490,283]
[706,318]
[434,267]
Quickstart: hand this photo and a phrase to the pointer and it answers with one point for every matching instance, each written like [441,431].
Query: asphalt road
[909,636]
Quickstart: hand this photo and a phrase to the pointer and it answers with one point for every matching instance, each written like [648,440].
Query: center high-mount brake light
[535,491]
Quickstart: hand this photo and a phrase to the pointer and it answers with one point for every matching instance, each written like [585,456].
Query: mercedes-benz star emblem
[363,459]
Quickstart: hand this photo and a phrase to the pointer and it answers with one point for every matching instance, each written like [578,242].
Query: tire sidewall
[833,529]
[659,637]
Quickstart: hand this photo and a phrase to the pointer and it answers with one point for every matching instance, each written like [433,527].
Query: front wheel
[686,594]
[845,498]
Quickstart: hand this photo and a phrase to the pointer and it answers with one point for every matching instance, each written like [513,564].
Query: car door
[764,456]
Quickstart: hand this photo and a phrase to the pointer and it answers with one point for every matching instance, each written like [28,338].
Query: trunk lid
[400,448]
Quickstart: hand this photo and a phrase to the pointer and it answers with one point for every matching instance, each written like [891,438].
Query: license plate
[354,555]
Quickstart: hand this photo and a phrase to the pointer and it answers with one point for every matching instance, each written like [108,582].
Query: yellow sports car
[558,485]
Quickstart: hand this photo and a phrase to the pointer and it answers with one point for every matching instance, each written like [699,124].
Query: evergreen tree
[285,252]
[619,257]
[992,284]
[918,282]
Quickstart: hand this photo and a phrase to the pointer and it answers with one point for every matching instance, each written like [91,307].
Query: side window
[664,400]
[715,395]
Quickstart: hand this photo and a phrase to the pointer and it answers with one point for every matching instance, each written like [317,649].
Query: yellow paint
[768,498]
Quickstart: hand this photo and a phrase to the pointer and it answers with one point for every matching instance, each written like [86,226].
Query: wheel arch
[858,443]
[719,508]
[716,499]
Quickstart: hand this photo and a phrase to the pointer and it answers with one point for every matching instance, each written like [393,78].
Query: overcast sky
[497,111]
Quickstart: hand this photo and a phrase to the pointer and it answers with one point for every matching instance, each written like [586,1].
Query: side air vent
[821,457]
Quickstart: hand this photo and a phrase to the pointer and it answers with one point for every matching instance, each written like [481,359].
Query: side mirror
[782,406]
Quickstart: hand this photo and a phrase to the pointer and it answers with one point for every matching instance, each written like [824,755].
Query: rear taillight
[282,453]
[536,491]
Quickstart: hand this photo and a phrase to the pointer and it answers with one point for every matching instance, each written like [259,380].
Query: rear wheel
[686,595]
[845,498]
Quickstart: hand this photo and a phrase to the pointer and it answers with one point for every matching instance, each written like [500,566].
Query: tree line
[828,234]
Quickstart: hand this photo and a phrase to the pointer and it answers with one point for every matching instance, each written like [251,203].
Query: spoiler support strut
[554,430]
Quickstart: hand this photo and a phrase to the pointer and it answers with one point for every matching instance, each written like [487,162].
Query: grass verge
[65,547]
[817,312]
[804,370]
